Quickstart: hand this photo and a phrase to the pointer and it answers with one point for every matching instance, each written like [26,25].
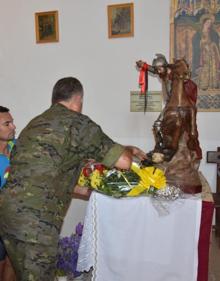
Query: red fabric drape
[204,240]
[143,81]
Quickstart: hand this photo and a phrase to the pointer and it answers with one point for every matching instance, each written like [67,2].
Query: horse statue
[177,148]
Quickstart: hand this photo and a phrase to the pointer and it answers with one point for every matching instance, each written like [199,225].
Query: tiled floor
[214,259]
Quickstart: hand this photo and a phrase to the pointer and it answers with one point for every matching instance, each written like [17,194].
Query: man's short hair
[3,109]
[65,88]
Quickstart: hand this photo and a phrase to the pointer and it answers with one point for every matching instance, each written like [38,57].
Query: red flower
[99,167]
[87,171]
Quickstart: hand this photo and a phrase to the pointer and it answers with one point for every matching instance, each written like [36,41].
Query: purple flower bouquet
[68,253]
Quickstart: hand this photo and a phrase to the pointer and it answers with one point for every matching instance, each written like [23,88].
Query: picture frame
[153,101]
[195,36]
[120,20]
[213,157]
[46,25]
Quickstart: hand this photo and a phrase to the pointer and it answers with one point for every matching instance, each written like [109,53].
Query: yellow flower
[105,172]
[96,179]
[82,180]
[150,176]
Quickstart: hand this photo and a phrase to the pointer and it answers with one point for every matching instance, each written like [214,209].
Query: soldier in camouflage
[45,165]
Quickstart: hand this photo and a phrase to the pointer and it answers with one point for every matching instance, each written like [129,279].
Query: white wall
[105,66]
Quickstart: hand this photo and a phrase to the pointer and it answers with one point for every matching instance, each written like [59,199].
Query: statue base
[182,170]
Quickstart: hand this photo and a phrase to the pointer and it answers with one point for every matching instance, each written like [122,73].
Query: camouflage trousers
[31,261]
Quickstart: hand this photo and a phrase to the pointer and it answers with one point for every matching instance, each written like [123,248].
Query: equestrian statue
[177,150]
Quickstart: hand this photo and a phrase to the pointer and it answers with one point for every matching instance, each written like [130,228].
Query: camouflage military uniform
[45,166]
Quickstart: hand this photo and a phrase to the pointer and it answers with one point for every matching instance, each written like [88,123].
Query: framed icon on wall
[46,24]
[121,20]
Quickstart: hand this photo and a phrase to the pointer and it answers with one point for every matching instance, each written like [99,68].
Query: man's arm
[126,158]
[137,152]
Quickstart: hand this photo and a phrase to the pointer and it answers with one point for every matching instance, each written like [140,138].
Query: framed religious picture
[195,36]
[46,24]
[121,20]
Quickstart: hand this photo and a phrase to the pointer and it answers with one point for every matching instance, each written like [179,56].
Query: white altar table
[128,239]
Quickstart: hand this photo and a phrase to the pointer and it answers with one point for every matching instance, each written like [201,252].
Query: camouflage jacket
[45,166]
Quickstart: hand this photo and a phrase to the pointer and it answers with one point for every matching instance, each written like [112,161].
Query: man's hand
[137,152]
[80,192]
[125,160]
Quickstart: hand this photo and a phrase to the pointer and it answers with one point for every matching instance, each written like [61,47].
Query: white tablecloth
[128,240]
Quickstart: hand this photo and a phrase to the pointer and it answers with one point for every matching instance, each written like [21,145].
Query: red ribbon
[143,78]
